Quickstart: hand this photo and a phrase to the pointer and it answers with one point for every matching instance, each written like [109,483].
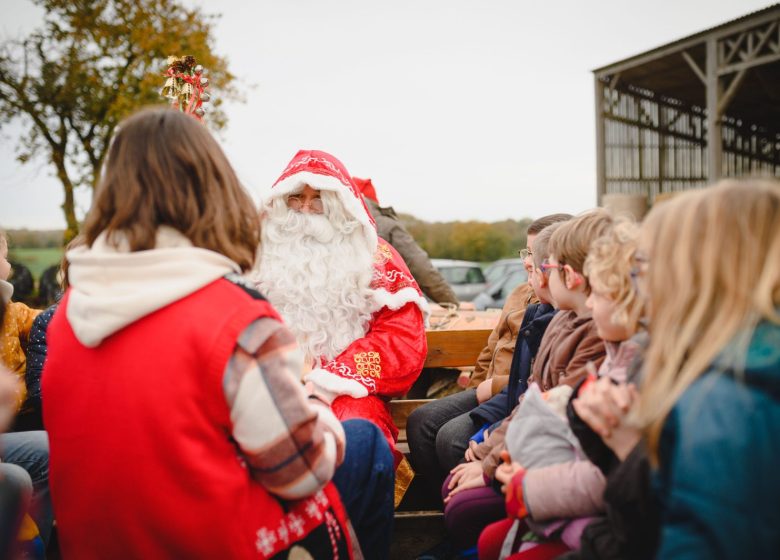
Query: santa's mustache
[315,226]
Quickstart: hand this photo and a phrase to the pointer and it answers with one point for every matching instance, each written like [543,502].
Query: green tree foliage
[473,241]
[91,64]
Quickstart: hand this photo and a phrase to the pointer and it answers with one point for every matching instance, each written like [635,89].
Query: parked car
[499,269]
[496,293]
[465,277]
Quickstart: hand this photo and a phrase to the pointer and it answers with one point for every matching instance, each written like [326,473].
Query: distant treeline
[471,241]
[35,239]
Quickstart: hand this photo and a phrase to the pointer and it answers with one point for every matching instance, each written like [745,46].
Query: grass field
[37,260]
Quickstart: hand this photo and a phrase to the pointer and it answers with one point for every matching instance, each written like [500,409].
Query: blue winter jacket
[535,320]
[719,454]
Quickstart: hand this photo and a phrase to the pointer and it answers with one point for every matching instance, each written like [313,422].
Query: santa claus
[346,294]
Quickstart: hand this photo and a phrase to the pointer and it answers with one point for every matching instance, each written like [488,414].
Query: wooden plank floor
[414,534]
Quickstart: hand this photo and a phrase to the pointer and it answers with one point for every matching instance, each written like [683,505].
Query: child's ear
[543,280]
[573,278]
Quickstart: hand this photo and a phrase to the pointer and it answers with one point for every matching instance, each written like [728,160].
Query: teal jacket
[719,475]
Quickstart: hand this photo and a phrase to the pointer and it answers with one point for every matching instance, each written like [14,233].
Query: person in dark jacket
[30,417]
[390,228]
[537,317]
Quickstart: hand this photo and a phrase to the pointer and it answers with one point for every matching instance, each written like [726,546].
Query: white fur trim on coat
[394,301]
[321,182]
[335,384]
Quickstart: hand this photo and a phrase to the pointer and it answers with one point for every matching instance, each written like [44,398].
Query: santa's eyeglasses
[296,202]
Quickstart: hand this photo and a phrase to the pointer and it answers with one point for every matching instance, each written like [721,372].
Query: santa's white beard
[317,276]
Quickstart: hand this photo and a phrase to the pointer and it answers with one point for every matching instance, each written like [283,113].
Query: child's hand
[484,390]
[471,450]
[604,407]
[464,477]
[505,472]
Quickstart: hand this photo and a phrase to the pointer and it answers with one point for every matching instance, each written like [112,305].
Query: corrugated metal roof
[701,34]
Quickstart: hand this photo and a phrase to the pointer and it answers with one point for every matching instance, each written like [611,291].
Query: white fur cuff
[332,383]
[383,298]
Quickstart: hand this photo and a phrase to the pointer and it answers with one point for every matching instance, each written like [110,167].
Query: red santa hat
[366,188]
[323,172]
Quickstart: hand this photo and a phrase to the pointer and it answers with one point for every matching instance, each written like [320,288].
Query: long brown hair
[713,273]
[165,168]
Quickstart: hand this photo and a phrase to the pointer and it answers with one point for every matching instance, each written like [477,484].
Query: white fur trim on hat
[336,384]
[321,182]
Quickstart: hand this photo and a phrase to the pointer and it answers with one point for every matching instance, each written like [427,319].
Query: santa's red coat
[389,358]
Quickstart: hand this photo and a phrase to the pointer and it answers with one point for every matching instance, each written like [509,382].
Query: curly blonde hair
[608,268]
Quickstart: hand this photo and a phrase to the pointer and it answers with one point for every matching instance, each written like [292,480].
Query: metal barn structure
[687,113]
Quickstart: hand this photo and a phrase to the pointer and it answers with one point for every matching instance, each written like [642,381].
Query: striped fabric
[292,443]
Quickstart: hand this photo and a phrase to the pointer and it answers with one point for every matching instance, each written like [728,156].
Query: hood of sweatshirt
[112,287]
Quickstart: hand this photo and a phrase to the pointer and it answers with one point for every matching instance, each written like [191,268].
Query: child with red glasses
[554,482]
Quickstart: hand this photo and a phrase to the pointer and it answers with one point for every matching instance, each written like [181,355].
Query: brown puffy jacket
[496,358]
[569,343]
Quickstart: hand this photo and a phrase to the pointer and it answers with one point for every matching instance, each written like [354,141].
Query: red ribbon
[195,101]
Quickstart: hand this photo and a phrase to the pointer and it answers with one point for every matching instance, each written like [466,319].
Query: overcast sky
[457,109]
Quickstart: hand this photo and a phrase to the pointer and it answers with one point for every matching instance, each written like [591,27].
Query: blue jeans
[438,434]
[366,482]
[30,450]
